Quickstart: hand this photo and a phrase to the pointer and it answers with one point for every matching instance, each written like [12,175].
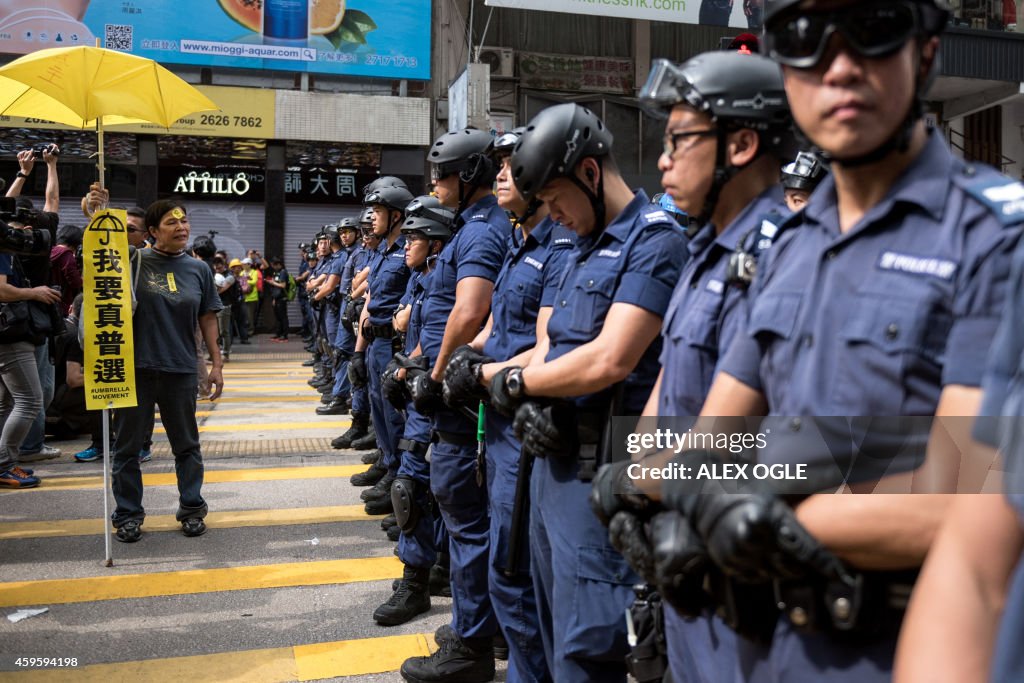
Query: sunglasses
[671,140]
[871,29]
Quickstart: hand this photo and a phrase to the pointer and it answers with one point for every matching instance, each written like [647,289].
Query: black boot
[440,577]
[370,476]
[380,506]
[409,599]
[337,406]
[454,662]
[379,490]
[500,646]
[365,442]
[388,522]
[360,425]
[394,533]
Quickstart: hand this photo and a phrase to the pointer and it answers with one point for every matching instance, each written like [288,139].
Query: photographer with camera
[24,313]
[36,267]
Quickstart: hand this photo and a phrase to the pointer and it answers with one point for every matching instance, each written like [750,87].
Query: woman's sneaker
[17,478]
[88,455]
[145,455]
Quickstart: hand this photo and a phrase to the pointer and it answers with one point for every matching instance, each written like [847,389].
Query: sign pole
[106,485]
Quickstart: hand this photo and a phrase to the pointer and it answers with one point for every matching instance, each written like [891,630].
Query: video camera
[44,149]
[25,241]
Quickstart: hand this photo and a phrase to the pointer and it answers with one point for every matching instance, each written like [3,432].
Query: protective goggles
[443,170]
[872,29]
[666,86]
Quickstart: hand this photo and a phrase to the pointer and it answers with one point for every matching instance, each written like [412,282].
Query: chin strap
[724,172]
[531,211]
[596,199]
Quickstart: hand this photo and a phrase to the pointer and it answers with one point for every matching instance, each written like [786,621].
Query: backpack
[259,281]
[292,290]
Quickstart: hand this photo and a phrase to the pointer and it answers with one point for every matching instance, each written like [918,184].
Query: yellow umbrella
[92,86]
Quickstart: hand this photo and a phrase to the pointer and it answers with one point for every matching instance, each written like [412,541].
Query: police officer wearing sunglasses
[879,299]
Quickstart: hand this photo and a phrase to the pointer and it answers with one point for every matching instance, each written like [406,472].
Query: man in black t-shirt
[278,287]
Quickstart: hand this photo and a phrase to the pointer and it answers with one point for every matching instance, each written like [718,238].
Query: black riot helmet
[737,91]
[805,173]
[553,143]
[504,144]
[383,181]
[463,152]
[348,224]
[330,232]
[799,38]
[429,206]
[394,198]
[428,227]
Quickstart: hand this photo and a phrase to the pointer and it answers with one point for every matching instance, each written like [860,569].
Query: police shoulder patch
[656,217]
[1003,196]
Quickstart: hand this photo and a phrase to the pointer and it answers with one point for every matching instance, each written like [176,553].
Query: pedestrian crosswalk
[281,588]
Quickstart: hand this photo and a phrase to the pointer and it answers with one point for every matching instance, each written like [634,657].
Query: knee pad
[403,498]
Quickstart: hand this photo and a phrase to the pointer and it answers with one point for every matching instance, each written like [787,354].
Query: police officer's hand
[546,430]
[500,398]
[357,372]
[614,491]
[460,377]
[627,533]
[394,389]
[426,394]
[680,562]
[757,537]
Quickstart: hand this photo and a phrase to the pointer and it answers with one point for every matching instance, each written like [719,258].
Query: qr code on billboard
[118,37]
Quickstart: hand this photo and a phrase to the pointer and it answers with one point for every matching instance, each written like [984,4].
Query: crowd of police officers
[484,337]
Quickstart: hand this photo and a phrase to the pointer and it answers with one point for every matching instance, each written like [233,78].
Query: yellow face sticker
[171,285]
[177,213]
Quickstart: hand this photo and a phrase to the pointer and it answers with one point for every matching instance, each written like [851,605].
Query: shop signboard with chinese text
[735,13]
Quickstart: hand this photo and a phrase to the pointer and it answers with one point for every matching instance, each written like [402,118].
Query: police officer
[520,308]
[600,360]
[425,235]
[456,308]
[327,295]
[344,341]
[318,306]
[376,333]
[721,164]
[878,300]
[305,269]
[359,435]
[800,178]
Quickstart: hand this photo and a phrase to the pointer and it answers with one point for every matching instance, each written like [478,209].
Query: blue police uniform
[303,297]
[704,316]
[360,397]
[344,340]
[387,282]
[873,322]
[419,548]
[527,282]
[333,266]
[583,585]
[1004,397]
[477,250]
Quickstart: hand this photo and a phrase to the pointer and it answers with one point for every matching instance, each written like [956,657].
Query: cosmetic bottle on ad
[285,22]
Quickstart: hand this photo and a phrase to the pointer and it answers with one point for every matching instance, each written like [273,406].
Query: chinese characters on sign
[107,313]
[567,72]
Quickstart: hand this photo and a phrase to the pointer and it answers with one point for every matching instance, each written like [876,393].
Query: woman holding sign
[175,293]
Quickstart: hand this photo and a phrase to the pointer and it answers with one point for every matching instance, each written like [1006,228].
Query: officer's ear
[742,147]
[929,50]
[589,173]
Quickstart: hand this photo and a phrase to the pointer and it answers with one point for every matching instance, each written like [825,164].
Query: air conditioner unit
[500,59]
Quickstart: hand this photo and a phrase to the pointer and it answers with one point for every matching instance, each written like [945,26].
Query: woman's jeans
[21,398]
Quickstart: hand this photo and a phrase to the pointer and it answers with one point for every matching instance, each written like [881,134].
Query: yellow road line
[261,399]
[193,581]
[262,426]
[310,662]
[209,477]
[229,519]
[248,411]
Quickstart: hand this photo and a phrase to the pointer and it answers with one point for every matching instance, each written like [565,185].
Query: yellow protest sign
[107,313]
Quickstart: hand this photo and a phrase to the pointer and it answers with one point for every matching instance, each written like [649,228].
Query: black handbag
[28,321]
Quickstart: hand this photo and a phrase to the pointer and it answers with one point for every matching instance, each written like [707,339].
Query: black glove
[547,430]
[394,389]
[357,372]
[501,400]
[628,534]
[680,563]
[614,491]
[460,377]
[426,395]
[757,537]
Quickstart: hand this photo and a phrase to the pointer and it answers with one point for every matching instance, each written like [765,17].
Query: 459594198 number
[45,662]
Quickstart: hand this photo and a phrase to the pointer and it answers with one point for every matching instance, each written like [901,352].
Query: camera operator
[36,269]
[21,393]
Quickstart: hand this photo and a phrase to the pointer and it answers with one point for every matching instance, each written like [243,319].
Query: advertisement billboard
[355,37]
[744,14]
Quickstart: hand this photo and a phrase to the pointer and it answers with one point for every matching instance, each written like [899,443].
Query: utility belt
[454,438]
[386,331]
[417,448]
[867,610]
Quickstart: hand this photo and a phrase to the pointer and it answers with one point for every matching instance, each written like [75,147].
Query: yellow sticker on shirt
[170,283]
